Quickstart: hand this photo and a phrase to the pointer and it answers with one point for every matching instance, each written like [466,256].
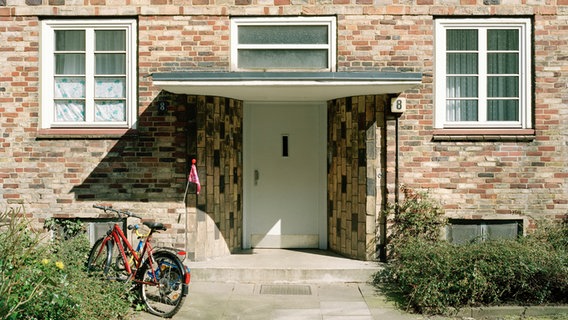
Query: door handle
[256,177]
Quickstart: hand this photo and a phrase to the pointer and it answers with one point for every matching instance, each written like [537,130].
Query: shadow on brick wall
[149,164]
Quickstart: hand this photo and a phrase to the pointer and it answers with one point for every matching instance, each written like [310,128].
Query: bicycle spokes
[162,285]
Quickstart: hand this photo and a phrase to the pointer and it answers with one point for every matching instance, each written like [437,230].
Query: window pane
[69,87]
[463,233]
[502,63]
[460,40]
[110,88]
[69,40]
[496,231]
[110,110]
[503,87]
[461,63]
[502,39]
[69,63]
[70,111]
[461,110]
[503,110]
[283,35]
[460,87]
[271,59]
[110,40]
[110,63]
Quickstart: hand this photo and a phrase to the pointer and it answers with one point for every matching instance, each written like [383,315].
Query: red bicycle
[160,277]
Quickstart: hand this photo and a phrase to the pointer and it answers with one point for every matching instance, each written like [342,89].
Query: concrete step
[283,266]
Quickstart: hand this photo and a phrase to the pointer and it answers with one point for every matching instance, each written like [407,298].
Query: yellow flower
[59,265]
[45,261]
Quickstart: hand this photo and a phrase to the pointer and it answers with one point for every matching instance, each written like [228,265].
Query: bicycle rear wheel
[162,287]
[100,257]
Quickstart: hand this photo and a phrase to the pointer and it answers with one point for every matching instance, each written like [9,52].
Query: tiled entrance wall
[356,127]
[215,140]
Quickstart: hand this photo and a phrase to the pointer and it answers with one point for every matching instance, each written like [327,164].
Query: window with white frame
[483,73]
[283,44]
[88,70]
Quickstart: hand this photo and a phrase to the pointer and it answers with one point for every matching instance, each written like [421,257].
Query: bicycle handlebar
[119,212]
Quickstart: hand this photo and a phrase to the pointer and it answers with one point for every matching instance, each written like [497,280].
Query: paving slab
[214,300]
[271,285]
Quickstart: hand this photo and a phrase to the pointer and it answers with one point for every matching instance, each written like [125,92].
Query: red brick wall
[472,178]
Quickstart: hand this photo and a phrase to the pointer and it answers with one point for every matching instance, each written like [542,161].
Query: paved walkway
[268,284]
[303,285]
[255,301]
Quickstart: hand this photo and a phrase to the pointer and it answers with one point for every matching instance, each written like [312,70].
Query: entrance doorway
[285,175]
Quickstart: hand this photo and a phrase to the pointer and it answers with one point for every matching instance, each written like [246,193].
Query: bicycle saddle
[155,226]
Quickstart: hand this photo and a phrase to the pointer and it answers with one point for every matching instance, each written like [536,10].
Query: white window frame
[330,22]
[525,88]
[47,69]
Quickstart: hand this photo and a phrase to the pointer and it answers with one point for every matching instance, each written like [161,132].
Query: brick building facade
[506,161]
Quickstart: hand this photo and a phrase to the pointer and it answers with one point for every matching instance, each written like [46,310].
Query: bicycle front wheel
[162,287]
[100,256]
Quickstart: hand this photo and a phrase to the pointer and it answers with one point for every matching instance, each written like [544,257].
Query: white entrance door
[285,175]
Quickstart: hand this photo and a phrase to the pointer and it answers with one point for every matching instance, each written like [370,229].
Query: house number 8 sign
[398,105]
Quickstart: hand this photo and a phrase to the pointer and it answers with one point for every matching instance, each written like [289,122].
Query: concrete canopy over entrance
[286,86]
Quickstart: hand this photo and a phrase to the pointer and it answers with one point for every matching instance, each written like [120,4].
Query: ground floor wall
[146,170]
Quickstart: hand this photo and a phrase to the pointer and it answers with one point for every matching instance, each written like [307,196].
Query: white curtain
[462,69]
[110,76]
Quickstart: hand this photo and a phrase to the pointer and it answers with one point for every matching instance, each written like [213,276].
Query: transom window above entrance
[283,44]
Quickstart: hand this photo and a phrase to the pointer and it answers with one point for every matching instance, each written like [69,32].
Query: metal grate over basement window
[296,290]
[464,230]
[98,228]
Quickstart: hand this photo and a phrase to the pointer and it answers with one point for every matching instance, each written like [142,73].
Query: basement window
[98,229]
[460,231]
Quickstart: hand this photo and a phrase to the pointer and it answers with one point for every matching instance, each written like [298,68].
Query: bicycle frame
[117,235]
[119,238]
[159,276]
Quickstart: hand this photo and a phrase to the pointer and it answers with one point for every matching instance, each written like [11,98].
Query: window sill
[91,133]
[516,135]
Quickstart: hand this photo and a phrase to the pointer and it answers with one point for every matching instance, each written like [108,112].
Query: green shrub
[428,275]
[440,277]
[48,281]
[20,267]
[416,217]
[553,232]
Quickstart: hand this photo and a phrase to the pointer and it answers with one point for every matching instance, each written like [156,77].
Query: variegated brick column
[217,218]
[355,174]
